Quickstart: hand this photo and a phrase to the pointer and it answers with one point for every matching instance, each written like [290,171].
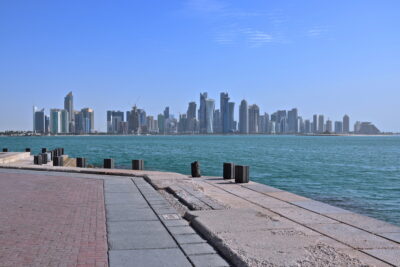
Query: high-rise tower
[224,109]
[243,117]
[346,124]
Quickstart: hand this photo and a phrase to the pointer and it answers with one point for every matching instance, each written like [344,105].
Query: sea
[357,173]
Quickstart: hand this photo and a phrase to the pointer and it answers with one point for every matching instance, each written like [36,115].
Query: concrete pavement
[139,225]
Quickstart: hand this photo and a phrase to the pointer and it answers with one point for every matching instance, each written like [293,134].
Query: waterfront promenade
[145,218]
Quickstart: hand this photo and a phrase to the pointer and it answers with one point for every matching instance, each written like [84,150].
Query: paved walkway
[51,222]
[66,219]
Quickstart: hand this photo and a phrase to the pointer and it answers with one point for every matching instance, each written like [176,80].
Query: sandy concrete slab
[319,207]
[261,188]
[392,236]
[391,256]
[366,223]
[246,220]
[287,196]
[353,237]
[302,216]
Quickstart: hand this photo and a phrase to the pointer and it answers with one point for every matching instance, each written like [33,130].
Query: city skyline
[277,54]
[207,119]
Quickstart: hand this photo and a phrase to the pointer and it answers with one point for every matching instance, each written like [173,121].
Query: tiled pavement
[144,230]
[60,219]
[51,222]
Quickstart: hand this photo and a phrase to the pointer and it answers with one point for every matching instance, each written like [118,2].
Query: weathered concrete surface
[256,225]
[10,157]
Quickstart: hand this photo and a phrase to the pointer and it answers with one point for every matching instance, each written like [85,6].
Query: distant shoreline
[235,134]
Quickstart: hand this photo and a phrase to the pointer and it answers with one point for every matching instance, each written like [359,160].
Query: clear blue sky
[329,57]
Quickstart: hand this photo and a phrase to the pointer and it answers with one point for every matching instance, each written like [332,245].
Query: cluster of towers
[207,119]
[64,121]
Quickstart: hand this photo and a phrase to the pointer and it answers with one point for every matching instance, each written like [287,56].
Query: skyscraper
[210,107]
[39,121]
[114,119]
[293,121]
[65,121]
[69,107]
[161,123]
[307,126]
[315,124]
[346,124]
[134,121]
[328,126]
[87,120]
[264,123]
[191,118]
[55,121]
[231,116]
[254,117]
[217,121]
[243,117]
[321,123]
[202,112]
[224,109]
[166,113]
[191,112]
[338,127]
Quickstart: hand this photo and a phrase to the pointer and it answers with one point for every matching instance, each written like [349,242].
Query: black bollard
[44,150]
[62,151]
[81,162]
[242,174]
[44,158]
[229,170]
[58,161]
[195,169]
[5,149]
[137,164]
[37,160]
[108,164]
[27,149]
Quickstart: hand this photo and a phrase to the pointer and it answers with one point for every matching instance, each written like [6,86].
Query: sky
[322,57]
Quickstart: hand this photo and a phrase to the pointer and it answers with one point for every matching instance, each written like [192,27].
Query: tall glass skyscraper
[243,117]
[210,106]
[224,109]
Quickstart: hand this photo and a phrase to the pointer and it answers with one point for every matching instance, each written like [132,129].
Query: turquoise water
[361,174]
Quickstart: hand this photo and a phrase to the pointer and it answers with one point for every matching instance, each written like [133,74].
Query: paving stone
[392,236]
[261,188]
[303,216]
[181,230]
[196,249]
[123,198]
[352,236]
[129,213]
[287,196]
[149,257]
[391,256]
[367,223]
[208,260]
[138,235]
[141,205]
[162,211]
[244,220]
[189,239]
[319,207]
[120,188]
[175,223]
[170,216]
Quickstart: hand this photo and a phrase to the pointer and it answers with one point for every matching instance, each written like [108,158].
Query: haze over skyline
[330,58]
